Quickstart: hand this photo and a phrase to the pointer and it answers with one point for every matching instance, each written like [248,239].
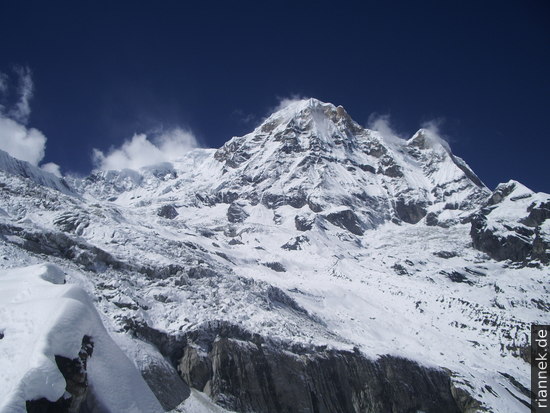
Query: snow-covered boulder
[55,352]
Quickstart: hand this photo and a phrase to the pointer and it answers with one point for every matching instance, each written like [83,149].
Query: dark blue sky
[105,70]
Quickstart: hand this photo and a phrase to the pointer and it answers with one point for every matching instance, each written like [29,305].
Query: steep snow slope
[310,231]
[41,177]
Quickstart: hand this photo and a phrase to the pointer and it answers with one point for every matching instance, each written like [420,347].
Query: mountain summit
[311,265]
[313,153]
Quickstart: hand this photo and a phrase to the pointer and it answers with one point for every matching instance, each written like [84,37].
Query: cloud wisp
[432,129]
[3,83]
[140,151]
[382,125]
[283,102]
[16,138]
[25,90]
[433,126]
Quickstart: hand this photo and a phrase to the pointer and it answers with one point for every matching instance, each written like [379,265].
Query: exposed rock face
[304,222]
[513,225]
[409,212]
[76,376]
[246,372]
[515,247]
[466,403]
[164,381]
[295,243]
[167,211]
[62,245]
[431,219]
[236,213]
[445,254]
[195,367]
[275,266]
[345,219]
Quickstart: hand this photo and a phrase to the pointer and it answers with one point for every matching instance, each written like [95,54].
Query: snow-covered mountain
[309,266]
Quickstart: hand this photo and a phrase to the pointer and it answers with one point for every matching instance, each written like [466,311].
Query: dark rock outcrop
[500,193]
[456,277]
[195,367]
[431,219]
[60,244]
[304,222]
[275,266]
[245,372]
[236,213]
[389,167]
[295,199]
[295,243]
[515,247]
[409,212]
[399,269]
[464,400]
[164,381]
[233,153]
[167,211]
[445,254]
[538,213]
[345,219]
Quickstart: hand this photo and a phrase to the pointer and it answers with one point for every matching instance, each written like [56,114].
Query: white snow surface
[199,403]
[41,317]
[387,291]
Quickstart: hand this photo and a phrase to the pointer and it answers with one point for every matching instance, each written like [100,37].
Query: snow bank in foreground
[41,317]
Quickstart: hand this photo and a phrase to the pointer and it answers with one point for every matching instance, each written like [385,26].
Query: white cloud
[52,168]
[382,125]
[140,151]
[22,143]
[176,142]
